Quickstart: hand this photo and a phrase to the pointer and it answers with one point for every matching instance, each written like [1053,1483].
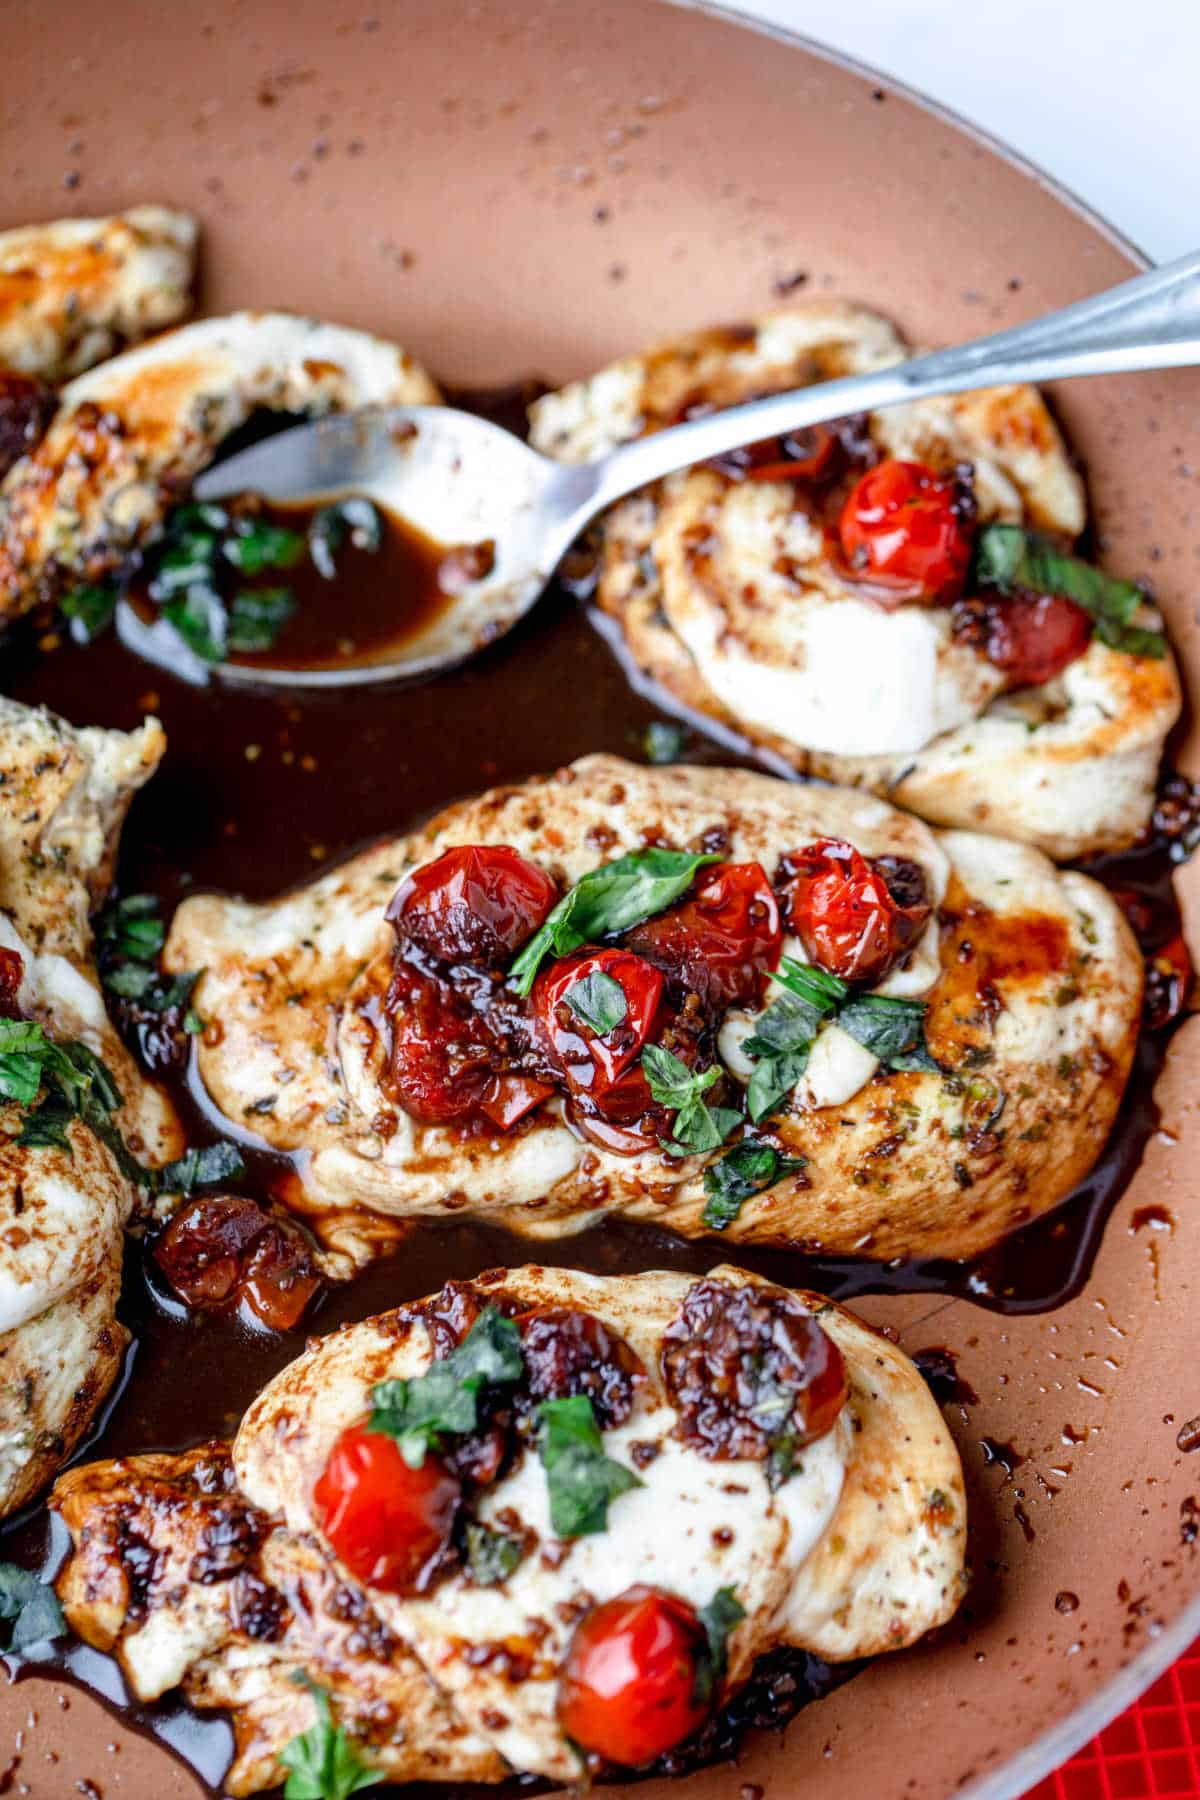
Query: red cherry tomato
[844,913]
[476,904]
[1034,637]
[386,1521]
[722,941]
[507,1098]
[441,1053]
[594,1063]
[628,1684]
[901,528]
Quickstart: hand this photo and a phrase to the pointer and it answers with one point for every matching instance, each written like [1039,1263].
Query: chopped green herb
[205,1166]
[355,516]
[1009,557]
[723,1614]
[749,1168]
[698,1128]
[420,1411]
[46,1126]
[491,1556]
[199,617]
[580,1479]
[256,544]
[612,898]
[322,1762]
[31,1605]
[89,611]
[131,927]
[257,616]
[599,1001]
[663,741]
[893,1030]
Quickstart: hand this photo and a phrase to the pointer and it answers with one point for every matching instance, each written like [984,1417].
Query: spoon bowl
[468,484]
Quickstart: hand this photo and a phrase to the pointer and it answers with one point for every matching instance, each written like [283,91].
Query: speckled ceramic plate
[518,186]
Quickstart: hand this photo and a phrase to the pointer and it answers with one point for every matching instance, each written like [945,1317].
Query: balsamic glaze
[257,793]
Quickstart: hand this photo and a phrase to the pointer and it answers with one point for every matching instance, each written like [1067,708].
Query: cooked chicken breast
[728,597]
[857,1551]
[1031,977]
[64,1206]
[74,291]
[130,436]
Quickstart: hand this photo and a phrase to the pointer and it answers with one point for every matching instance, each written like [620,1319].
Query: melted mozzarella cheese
[693,1526]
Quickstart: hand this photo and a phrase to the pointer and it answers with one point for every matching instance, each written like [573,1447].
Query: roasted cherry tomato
[442,1054]
[628,1688]
[722,941]
[12,974]
[593,1062]
[846,914]
[387,1522]
[1032,637]
[477,904]
[221,1249]
[902,527]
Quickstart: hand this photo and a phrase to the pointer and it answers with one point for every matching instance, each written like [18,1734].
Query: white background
[1102,94]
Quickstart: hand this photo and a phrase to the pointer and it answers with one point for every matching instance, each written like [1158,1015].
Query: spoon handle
[1150,322]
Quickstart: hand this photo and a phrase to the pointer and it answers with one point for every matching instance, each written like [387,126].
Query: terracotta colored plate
[516,185]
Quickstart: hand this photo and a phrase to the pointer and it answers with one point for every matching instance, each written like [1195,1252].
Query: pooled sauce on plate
[261,791]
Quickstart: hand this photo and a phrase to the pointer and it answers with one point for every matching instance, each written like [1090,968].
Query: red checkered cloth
[1152,1752]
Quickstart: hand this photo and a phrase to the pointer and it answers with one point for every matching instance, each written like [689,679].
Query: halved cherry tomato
[722,941]
[1032,637]
[593,1063]
[844,913]
[12,974]
[386,1521]
[902,528]
[219,1249]
[628,1687]
[442,1054]
[507,1098]
[476,904]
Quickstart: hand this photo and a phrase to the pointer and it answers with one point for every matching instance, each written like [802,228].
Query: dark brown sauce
[260,792]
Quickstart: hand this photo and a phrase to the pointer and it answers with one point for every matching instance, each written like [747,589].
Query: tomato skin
[902,527]
[722,941]
[441,1053]
[595,1064]
[475,904]
[844,913]
[385,1521]
[628,1682]
[1032,637]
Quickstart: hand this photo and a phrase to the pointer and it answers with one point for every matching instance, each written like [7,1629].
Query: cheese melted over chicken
[235,1584]
[729,593]
[1031,977]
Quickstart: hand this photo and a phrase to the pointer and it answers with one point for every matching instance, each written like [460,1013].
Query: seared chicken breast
[736,589]
[74,291]
[65,1196]
[130,436]
[334,1038]
[225,1573]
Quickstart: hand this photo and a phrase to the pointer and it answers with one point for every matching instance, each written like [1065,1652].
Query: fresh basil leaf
[491,1556]
[131,927]
[322,1762]
[609,899]
[257,616]
[257,544]
[131,980]
[188,561]
[205,1165]
[199,617]
[1009,557]
[723,1614]
[749,1168]
[773,1079]
[88,611]
[423,1409]
[781,1459]
[893,1030]
[599,1001]
[580,1480]
[20,1077]
[32,1606]
[46,1126]
[196,516]
[355,516]
[697,1128]
[663,741]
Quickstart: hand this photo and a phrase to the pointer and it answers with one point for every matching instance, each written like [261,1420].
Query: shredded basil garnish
[1009,557]
[31,1605]
[663,741]
[444,1402]
[257,616]
[609,899]
[747,1169]
[599,1001]
[720,1618]
[580,1479]
[89,612]
[893,1030]
[322,1762]
[698,1127]
[491,1555]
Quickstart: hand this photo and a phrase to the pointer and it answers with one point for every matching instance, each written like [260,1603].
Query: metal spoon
[462,480]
